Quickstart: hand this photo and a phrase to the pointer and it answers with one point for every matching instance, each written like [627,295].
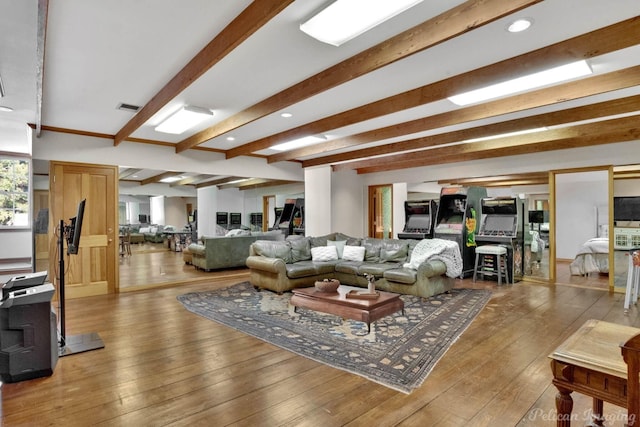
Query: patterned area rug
[399,352]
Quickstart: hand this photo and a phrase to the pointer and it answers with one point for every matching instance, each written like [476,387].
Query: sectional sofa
[214,253]
[416,267]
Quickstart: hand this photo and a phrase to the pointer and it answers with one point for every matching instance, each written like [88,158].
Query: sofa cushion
[353,253]
[401,275]
[339,244]
[351,241]
[326,267]
[350,267]
[377,269]
[300,249]
[324,253]
[372,249]
[318,241]
[301,269]
[273,249]
[394,251]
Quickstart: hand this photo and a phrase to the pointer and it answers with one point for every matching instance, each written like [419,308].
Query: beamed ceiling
[379,101]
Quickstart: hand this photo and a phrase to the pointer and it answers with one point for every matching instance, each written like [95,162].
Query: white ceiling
[102,53]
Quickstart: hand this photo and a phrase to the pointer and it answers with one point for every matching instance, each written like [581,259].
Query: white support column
[207,208]
[317,201]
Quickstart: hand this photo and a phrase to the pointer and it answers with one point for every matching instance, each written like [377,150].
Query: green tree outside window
[14,192]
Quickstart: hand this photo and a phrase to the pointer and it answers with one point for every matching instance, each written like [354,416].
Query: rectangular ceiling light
[299,143]
[184,119]
[343,20]
[522,84]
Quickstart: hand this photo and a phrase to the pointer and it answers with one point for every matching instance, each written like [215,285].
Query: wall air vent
[128,107]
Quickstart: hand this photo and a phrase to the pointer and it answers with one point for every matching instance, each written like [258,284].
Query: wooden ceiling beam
[454,22]
[543,97]
[159,177]
[189,180]
[219,181]
[254,17]
[532,176]
[596,43]
[586,135]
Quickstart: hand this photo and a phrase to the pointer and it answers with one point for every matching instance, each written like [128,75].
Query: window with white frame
[14,192]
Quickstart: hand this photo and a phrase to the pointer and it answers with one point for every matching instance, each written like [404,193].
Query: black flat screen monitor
[626,208]
[75,229]
[538,217]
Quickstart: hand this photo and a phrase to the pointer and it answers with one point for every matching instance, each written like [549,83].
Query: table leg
[597,419]
[564,406]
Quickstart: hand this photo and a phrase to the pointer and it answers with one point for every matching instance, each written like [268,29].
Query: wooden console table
[591,362]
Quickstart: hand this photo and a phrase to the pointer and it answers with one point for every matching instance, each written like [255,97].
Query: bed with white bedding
[592,257]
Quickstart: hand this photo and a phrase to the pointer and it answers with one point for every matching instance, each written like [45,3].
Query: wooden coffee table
[362,310]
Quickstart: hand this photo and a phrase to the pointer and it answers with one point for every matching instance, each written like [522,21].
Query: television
[75,228]
[626,208]
[538,217]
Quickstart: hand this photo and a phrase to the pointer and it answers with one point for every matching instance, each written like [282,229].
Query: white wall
[175,212]
[577,196]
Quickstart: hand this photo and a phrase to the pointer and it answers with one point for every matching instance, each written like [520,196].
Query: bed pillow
[339,244]
[324,253]
[353,253]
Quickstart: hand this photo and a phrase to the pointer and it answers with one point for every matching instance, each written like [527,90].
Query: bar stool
[498,256]
[633,280]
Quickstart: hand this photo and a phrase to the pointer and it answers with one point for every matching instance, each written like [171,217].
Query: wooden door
[94,270]
[41,230]
[380,211]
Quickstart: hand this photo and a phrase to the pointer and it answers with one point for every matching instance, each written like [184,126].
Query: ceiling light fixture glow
[522,84]
[343,20]
[171,179]
[6,109]
[299,143]
[184,119]
[519,25]
[286,115]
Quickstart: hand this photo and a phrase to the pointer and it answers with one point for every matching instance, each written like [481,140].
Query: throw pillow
[324,253]
[353,253]
[339,244]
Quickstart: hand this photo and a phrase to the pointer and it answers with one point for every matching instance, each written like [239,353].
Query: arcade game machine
[292,214]
[457,221]
[420,216]
[502,223]
[222,219]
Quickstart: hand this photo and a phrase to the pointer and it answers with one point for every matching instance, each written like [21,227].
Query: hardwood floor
[163,365]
